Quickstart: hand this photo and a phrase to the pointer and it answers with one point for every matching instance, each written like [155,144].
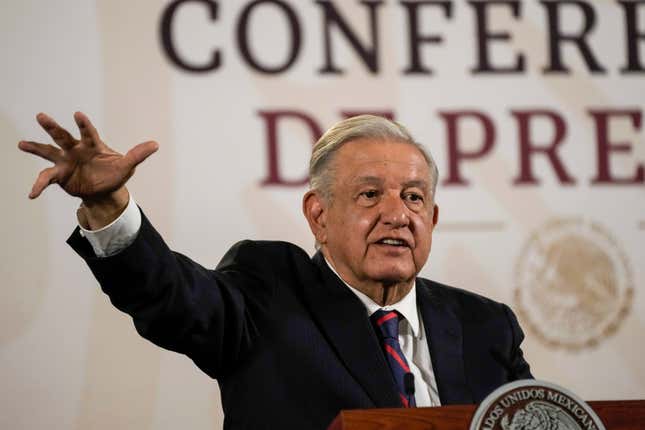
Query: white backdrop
[567,257]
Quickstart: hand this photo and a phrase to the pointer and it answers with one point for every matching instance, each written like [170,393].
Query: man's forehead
[361,152]
[370,161]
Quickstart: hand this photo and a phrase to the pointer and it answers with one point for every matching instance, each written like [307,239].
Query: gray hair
[358,127]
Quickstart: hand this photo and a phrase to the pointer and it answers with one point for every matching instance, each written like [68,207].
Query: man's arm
[212,316]
[515,363]
[174,302]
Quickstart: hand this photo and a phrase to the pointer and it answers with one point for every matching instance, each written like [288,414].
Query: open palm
[85,167]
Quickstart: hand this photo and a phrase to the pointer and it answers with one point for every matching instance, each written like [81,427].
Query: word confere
[423,42]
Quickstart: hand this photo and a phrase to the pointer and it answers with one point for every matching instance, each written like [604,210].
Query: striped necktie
[386,324]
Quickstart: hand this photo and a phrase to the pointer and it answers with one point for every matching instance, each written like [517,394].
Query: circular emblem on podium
[534,405]
[574,285]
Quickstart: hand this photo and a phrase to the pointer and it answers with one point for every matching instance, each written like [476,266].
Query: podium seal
[534,405]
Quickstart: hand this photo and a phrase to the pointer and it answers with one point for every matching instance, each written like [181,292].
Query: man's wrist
[116,236]
[96,214]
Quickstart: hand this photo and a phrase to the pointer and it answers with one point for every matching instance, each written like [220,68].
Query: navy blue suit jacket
[288,342]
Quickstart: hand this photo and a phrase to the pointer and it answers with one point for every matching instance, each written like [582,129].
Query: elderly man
[293,339]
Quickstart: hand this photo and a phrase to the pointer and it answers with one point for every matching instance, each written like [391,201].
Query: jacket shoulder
[264,256]
[469,305]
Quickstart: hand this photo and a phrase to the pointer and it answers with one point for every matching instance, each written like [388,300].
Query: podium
[615,414]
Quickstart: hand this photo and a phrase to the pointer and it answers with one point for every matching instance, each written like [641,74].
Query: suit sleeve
[513,359]
[210,315]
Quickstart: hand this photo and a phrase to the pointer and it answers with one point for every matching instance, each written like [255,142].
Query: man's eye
[413,197]
[369,194]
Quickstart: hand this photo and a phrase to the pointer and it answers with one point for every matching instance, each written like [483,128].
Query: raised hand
[85,168]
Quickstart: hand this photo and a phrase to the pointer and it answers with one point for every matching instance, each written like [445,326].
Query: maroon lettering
[455,154]
[605,146]
[527,148]
[271,119]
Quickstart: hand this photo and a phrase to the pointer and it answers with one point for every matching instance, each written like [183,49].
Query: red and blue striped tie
[387,327]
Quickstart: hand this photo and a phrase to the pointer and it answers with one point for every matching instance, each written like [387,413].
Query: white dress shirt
[116,236]
[413,341]
[119,234]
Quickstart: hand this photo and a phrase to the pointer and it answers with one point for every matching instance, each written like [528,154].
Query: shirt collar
[407,306]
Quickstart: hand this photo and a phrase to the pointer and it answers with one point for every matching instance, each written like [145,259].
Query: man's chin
[394,276]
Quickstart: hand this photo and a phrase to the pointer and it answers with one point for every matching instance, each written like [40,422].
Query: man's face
[378,226]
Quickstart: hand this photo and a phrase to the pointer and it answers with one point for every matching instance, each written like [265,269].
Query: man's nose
[394,211]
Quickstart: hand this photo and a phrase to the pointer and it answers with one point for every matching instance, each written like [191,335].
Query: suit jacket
[288,342]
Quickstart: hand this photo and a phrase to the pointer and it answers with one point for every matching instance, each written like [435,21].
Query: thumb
[140,152]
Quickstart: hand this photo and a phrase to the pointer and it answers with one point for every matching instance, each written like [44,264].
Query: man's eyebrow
[375,180]
[419,183]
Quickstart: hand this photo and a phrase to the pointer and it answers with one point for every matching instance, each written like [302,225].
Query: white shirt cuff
[116,236]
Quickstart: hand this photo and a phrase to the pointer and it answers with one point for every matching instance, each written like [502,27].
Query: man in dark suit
[290,339]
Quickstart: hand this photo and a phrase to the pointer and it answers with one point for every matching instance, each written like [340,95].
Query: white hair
[321,169]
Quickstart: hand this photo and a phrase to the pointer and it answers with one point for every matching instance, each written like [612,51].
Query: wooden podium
[616,415]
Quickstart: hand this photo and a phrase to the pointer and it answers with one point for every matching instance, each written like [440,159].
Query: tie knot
[386,323]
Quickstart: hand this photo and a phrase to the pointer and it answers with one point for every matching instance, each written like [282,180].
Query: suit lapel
[445,339]
[343,319]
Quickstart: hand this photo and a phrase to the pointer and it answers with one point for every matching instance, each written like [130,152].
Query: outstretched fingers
[45,178]
[58,133]
[88,131]
[48,152]
[140,152]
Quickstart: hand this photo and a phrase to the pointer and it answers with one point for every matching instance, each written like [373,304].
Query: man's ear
[315,210]
[435,216]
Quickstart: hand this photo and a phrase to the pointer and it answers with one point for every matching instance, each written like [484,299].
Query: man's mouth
[392,242]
